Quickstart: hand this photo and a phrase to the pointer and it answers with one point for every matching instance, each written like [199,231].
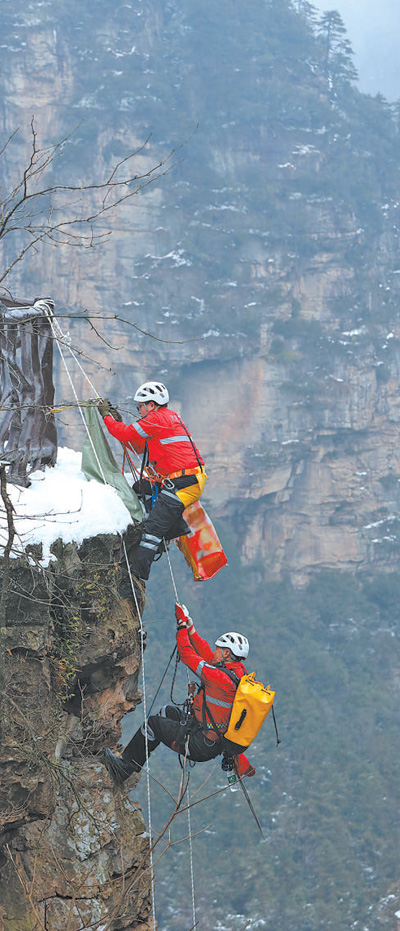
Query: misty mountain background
[267,259]
[373,30]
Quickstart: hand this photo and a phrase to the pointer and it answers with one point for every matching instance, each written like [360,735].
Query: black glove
[106,409]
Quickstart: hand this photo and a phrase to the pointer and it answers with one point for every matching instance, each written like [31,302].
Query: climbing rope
[190,838]
[65,340]
[191,858]
[171,572]
[146,736]
[61,339]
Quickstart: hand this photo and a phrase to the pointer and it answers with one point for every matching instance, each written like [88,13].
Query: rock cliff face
[73,853]
[266,261]
[265,264]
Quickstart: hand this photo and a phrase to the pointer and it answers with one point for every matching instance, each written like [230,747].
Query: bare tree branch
[9,511]
[41,211]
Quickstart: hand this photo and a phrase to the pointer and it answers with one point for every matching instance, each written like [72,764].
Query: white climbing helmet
[235,642]
[152,391]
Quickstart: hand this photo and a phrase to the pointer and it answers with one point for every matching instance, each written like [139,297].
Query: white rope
[171,572]
[191,856]
[59,337]
[188,793]
[146,737]
[66,340]
[74,356]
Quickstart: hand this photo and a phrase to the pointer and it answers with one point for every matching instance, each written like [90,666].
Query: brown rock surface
[72,852]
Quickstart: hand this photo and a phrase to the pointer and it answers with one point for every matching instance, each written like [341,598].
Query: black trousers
[168,727]
[164,521]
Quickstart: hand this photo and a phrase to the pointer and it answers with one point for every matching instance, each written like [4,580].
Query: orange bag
[201,547]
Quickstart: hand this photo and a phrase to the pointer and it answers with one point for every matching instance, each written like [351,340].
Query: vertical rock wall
[72,850]
[263,265]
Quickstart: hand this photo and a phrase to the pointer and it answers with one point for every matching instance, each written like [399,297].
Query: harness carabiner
[168,483]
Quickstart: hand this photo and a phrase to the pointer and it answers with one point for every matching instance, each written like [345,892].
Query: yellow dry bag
[250,707]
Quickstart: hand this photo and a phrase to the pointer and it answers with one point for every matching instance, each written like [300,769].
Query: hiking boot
[118,768]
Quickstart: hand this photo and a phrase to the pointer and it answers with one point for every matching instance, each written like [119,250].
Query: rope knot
[65,338]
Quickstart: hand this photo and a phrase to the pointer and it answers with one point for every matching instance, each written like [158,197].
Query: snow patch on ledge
[60,502]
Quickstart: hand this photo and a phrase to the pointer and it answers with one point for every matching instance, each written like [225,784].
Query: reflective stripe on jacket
[219,690]
[170,448]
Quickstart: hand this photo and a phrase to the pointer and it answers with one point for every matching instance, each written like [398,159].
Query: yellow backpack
[251,705]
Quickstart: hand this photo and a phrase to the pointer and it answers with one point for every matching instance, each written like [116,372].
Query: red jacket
[170,448]
[219,690]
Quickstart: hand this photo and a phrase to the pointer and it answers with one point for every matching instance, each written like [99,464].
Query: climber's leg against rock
[165,521]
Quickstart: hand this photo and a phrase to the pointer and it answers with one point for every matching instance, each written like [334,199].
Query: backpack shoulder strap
[193,446]
[229,672]
[205,709]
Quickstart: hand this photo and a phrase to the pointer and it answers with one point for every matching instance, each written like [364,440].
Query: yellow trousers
[193,492]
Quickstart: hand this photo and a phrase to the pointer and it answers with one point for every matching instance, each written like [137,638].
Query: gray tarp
[109,468]
[28,436]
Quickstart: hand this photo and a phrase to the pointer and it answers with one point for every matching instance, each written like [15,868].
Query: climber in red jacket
[203,726]
[178,474]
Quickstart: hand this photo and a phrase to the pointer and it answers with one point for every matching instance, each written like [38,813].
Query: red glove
[183,618]
[243,766]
